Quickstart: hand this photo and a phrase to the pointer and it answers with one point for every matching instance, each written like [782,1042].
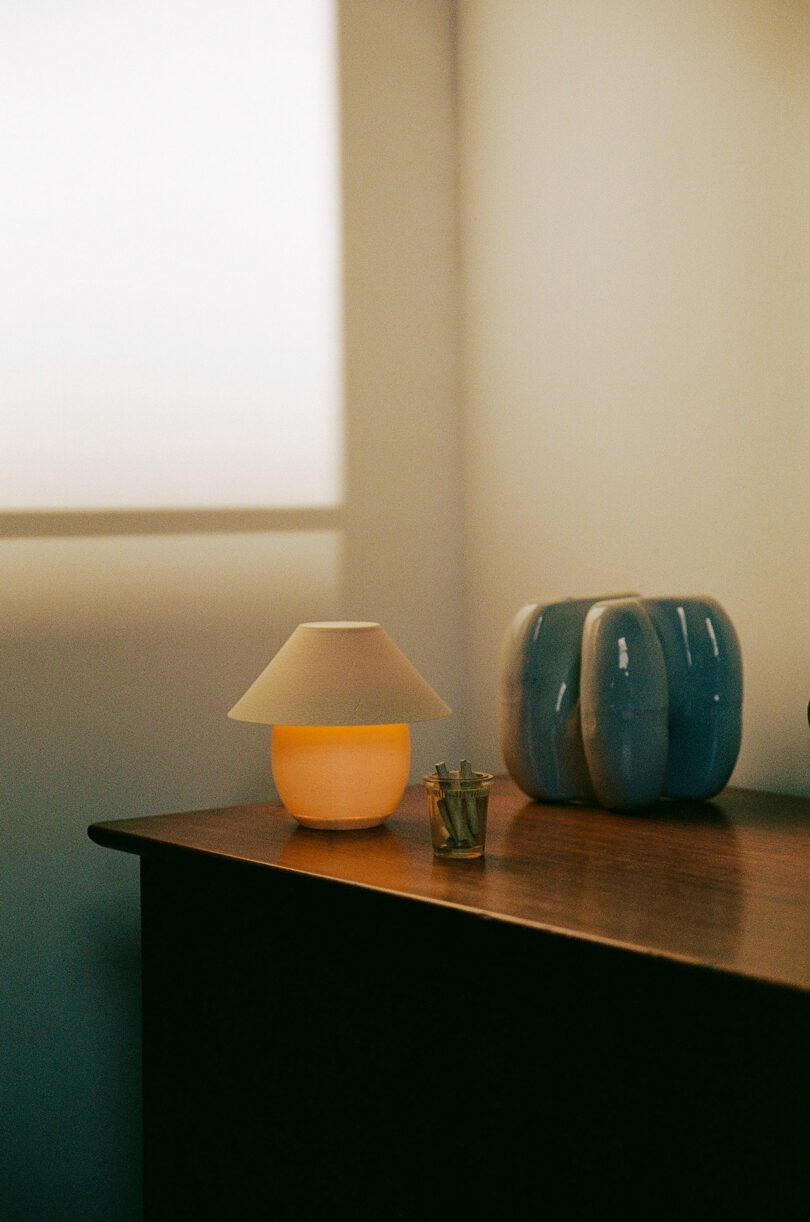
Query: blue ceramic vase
[623,704]
[621,699]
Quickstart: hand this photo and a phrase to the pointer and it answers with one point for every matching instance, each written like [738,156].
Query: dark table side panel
[309,1045]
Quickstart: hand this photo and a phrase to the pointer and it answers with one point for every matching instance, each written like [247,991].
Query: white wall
[634,196]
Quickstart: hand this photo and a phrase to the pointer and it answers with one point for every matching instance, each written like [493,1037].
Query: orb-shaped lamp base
[340,777]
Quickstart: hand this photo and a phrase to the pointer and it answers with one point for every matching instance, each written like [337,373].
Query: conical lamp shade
[339,674]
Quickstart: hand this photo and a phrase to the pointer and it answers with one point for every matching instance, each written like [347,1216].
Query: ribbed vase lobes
[621,699]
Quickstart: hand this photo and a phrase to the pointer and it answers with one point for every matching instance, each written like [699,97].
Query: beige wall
[119,657]
[404,563]
[634,195]
[120,654]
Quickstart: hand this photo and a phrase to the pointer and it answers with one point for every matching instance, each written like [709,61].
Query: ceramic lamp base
[340,777]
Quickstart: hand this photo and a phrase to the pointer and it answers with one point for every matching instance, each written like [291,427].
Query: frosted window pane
[169,266]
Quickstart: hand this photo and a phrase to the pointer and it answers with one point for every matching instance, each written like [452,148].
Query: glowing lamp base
[340,777]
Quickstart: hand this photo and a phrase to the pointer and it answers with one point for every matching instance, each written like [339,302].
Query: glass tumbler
[458,813]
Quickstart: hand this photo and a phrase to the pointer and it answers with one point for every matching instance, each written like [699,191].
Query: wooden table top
[725,883]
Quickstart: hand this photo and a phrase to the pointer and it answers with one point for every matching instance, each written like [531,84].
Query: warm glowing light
[340,776]
[339,695]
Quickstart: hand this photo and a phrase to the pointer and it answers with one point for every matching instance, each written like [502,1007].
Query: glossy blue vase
[705,683]
[622,699]
[623,704]
[540,723]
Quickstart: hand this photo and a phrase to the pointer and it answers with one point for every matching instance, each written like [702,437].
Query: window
[169,255]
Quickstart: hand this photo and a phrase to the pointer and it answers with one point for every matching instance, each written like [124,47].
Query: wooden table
[608,1012]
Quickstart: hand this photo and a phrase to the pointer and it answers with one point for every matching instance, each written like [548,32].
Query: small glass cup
[458,813]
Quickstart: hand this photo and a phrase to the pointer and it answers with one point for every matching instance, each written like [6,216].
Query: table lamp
[339,697]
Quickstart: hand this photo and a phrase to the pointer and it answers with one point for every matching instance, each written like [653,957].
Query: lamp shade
[339,674]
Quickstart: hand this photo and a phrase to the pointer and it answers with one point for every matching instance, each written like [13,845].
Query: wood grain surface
[725,884]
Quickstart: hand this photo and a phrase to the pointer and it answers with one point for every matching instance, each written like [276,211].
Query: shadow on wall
[119,658]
